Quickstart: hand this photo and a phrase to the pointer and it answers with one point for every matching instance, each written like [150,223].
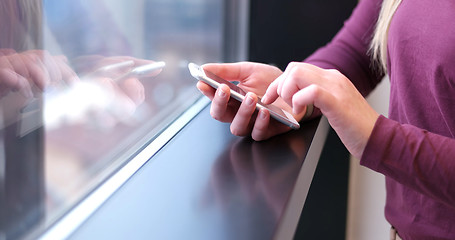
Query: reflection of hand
[112,72]
[253,171]
[109,92]
[31,70]
[348,112]
[253,78]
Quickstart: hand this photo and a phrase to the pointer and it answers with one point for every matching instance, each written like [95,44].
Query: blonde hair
[378,47]
[20,24]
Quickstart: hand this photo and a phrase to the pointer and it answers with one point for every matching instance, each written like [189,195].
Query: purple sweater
[415,147]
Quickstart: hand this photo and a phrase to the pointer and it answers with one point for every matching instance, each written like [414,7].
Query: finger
[282,78]
[291,83]
[219,107]
[271,94]
[261,126]
[41,68]
[296,77]
[6,51]
[206,89]
[241,123]
[315,95]
[18,65]
[275,88]
[134,89]
[10,80]
[228,71]
[67,73]
[49,65]
[30,66]
[231,71]
[39,74]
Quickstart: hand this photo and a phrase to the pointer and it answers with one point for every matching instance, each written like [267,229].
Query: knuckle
[246,109]
[292,68]
[333,71]
[218,101]
[315,90]
[335,74]
[290,65]
[293,64]
[286,95]
[33,58]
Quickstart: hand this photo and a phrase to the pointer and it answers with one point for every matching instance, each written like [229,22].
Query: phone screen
[239,94]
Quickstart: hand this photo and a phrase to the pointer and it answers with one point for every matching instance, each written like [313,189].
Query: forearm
[414,157]
[348,51]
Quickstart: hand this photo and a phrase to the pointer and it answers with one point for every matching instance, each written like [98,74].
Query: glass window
[84,85]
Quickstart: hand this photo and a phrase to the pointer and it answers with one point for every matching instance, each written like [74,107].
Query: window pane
[84,85]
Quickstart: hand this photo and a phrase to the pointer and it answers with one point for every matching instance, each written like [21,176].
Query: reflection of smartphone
[142,70]
[239,94]
[135,72]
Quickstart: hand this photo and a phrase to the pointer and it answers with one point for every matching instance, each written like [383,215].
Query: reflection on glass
[83,85]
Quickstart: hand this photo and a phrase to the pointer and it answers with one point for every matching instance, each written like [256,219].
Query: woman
[413,42]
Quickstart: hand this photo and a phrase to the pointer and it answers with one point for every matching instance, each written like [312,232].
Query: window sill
[204,184]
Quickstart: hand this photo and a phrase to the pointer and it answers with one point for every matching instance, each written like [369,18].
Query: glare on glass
[83,86]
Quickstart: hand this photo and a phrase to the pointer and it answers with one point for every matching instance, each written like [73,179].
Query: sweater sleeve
[416,158]
[348,50]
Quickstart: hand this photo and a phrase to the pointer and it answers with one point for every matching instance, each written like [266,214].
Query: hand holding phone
[239,94]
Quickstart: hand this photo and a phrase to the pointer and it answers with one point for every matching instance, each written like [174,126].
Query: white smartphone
[134,72]
[144,69]
[239,94]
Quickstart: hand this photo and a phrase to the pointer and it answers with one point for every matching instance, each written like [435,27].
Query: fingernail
[264,99]
[221,93]
[249,99]
[262,114]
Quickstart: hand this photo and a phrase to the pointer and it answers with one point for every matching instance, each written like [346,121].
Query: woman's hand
[254,78]
[346,109]
[32,70]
